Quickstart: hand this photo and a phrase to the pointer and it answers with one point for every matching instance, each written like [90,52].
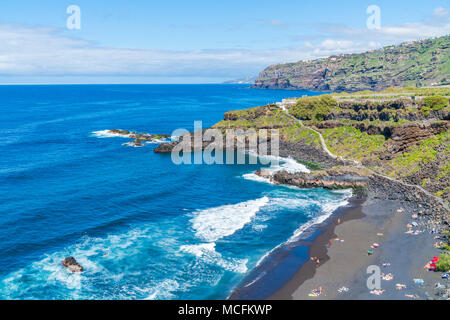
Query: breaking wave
[215,223]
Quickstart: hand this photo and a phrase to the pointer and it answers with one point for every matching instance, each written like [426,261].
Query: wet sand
[345,263]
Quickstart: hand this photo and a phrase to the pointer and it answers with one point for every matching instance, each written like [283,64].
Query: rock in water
[72,264]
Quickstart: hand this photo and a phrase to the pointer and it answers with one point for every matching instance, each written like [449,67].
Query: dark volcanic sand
[345,263]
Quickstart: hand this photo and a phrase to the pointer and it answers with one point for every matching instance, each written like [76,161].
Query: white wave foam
[277,164]
[266,255]
[327,208]
[208,254]
[163,291]
[199,250]
[291,165]
[281,163]
[254,177]
[216,223]
[109,134]
[158,141]
[257,278]
[49,270]
[292,203]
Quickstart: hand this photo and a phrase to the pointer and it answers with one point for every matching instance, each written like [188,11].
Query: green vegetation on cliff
[436,102]
[265,117]
[417,63]
[400,132]
[313,108]
[426,151]
[352,143]
[395,105]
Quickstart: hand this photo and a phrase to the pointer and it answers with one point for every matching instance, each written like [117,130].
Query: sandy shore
[344,263]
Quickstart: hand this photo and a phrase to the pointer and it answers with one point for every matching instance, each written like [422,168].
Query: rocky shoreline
[385,196]
[138,139]
[364,183]
[329,179]
[337,173]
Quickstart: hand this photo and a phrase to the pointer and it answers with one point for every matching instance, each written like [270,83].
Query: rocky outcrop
[431,173]
[226,142]
[404,137]
[138,138]
[71,264]
[120,132]
[188,143]
[372,70]
[274,83]
[330,179]
[165,147]
[311,153]
[381,188]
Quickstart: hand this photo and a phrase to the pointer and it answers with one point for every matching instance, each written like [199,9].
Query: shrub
[311,165]
[436,102]
[425,111]
[444,263]
[314,108]
[360,191]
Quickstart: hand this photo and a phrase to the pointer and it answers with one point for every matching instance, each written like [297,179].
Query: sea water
[141,226]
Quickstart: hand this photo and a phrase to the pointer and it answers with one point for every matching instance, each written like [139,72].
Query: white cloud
[412,31]
[329,47]
[45,52]
[396,33]
[440,12]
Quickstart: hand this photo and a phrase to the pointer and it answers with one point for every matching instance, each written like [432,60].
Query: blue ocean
[141,226]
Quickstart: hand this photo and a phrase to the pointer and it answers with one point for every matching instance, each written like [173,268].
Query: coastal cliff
[402,135]
[417,63]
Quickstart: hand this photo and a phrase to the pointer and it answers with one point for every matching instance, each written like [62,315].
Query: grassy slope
[417,63]
[271,118]
[350,142]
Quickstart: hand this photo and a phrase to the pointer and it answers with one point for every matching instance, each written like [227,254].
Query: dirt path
[359,164]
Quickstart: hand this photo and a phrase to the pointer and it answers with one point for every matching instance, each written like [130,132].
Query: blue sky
[194,41]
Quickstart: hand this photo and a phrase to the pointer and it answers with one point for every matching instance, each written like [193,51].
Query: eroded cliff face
[415,151]
[417,63]
[404,137]
[399,138]
[312,77]
[330,179]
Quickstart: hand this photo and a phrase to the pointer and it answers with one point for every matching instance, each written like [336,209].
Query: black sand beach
[344,264]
